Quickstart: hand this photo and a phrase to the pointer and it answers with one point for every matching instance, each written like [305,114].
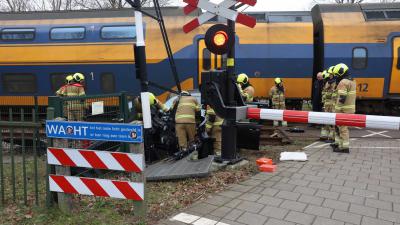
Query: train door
[394,87]
[207,60]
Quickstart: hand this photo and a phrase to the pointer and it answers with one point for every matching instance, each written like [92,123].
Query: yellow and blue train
[38,49]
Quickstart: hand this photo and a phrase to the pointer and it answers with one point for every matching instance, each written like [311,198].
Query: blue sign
[94,131]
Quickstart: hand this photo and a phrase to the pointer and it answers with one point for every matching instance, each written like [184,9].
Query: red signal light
[220,38]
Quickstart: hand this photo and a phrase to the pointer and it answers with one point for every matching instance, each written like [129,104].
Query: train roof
[95,13]
[371,11]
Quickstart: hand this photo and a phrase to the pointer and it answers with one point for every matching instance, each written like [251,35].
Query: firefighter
[329,103]
[185,119]
[68,81]
[345,103]
[245,88]
[75,108]
[277,95]
[213,128]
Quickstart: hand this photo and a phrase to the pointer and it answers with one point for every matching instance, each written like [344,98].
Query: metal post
[49,195]
[140,60]
[229,129]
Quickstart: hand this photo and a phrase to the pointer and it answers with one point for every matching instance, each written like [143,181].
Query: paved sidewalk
[362,187]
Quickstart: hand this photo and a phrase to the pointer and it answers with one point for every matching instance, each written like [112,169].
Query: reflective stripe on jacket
[186,110]
[277,97]
[346,88]
[217,121]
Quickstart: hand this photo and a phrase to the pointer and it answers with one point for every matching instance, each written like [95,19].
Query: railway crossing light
[219,39]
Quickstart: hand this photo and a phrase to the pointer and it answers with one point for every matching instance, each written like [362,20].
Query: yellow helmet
[78,77]
[325,74]
[242,78]
[278,80]
[152,98]
[69,79]
[330,70]
[340,69]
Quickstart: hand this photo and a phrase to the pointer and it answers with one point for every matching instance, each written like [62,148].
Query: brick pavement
[362,187]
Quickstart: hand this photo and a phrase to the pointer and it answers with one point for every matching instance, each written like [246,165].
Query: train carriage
[38,49]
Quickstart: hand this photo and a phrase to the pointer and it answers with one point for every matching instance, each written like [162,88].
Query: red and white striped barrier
[338,119]
[222,9]
[97,187]
[95,159]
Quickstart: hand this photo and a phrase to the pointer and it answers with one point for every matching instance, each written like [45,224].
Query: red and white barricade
[97,187]
[97,160]
[338,119]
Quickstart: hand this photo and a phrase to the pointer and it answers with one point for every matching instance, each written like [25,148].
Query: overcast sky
[281,5]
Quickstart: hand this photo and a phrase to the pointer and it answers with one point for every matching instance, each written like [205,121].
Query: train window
[19,83]
[118,32]
[107,83]
[375,15]
[360,57]
[17,34]
[67,33]
[57,80]
[393,14]
[206,59]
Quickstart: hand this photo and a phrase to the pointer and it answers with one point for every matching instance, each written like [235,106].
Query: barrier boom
[337,119]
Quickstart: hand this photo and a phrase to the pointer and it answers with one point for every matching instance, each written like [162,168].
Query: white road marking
[195,220]
[205,221]
[323,145]
[373,133]
[309,146]
[358,128]
[185,218]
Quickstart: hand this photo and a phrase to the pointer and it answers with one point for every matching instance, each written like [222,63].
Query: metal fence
[22,145]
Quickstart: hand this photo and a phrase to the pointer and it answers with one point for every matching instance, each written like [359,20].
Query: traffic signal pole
[229,128]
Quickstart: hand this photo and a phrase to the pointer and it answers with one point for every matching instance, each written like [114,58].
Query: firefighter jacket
[346,96]
[212,119]
[74,90]
[61,90]
[186,110]
[329,96]
[277,97]
[247,92]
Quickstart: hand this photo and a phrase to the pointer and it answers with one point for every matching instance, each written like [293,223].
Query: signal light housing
[219,39]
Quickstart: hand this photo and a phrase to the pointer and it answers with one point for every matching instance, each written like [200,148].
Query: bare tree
[15,5]
[56,5]
[348,1]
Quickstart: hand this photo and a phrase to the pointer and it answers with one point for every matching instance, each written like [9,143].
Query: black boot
[345,150]
[337,149]
[334,146]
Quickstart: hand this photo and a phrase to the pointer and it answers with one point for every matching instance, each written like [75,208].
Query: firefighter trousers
[216,133]
[342,137]
[185,133]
